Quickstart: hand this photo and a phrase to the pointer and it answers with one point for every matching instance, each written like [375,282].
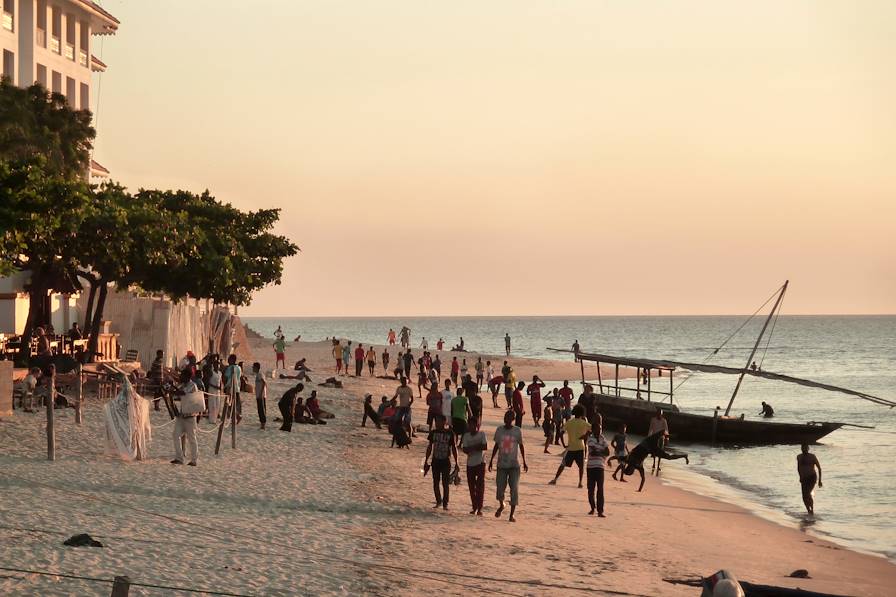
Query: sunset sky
[527,157]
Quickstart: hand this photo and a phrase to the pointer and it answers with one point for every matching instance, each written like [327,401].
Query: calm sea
[856,506]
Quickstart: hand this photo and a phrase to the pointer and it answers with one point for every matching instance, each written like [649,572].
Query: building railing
[54,44]
[70,51]
[7,20]
[82,57]
[41,37]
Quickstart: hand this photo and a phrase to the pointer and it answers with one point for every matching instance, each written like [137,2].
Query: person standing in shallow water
[806,463]
[509,442]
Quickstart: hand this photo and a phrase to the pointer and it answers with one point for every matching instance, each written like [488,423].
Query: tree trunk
[93,343]
[88,313]
[37,315]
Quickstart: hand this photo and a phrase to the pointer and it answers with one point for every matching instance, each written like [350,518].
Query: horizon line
[561,316]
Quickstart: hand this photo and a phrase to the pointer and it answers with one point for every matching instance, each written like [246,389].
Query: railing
[70,51]
[82,57]
[54,44]
[7,21]
[41,37]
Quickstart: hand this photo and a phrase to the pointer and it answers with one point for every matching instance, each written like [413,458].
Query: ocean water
[857,505]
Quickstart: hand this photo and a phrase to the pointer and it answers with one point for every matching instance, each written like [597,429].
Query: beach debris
[82,540]
[801,573]
[722,584]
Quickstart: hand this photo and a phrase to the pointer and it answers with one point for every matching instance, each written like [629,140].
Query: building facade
[50,42]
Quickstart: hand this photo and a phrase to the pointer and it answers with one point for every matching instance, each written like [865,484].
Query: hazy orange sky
[527,157]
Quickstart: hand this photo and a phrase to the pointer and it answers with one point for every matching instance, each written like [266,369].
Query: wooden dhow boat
[625,404]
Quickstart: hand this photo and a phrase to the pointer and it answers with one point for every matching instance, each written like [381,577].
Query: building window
[57,83]
[56,33]
[8,12]
[9,66]
[69,37]
[85,96]
[42,75]
[84,45]
[41,33]
[70,92]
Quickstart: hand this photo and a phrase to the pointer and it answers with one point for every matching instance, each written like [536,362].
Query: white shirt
[657,425]
[475,439]
[446,403]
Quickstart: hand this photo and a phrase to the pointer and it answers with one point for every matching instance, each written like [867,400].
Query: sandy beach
[333,510]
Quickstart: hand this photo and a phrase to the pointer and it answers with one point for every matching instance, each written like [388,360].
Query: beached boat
[635,406]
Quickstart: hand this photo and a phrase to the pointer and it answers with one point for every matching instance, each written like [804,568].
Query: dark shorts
[548,428]
[459,426]
[577,456]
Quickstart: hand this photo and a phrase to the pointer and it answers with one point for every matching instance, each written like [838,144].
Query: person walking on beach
[576,431]
[566,393]
[806,464]
[508,441]
[516,403]
[441,447]
[261,394]
[489,374]
[347,356]
[359,360]
[598,450]
[371,360]
[507,343]
[460,413]
[434,402]
[437,367]
[405,396]
[385,359]
[287,406]
[474,444]
[391,337]
[463,369]
[407,360]
[280,351]
[534,391]
[337,354]
[480,373]
[185,423]
[447,397]
[509,386]
[658,424]
[455,370]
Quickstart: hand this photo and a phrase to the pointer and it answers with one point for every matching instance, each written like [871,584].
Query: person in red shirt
[455,370]
[534,391]
[359,359]
[566,393]
[440,344]
[517,405]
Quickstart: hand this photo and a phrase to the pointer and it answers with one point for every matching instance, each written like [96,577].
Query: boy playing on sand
[474,445]
[509,442]
[576,431]
[441,448]
[806,463]
[620,450]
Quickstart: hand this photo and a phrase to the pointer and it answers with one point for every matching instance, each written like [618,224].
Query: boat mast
[756,346]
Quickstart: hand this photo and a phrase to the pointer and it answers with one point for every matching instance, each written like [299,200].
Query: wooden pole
[51,423]
[617,379]
[600,382]
[671,388]
[582,366]
[233,392]
[79,394]
[224,413]
[121,586]
[756,346]
[648,385]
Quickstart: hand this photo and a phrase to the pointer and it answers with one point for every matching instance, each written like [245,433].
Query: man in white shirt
[658,424]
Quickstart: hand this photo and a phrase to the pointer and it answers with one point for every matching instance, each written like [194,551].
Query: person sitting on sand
[650,446]
[441,448]
[806,464]
[508,441]
[381,409]
[312,407]
[369,413]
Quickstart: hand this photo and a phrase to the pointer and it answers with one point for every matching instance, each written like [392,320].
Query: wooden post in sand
[51,424]
[233,391]
[224,413]
[79,395]
[121,586]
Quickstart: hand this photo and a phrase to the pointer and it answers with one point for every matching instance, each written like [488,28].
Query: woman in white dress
[128,429]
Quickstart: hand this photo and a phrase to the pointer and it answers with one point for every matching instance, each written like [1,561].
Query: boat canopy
[669,365]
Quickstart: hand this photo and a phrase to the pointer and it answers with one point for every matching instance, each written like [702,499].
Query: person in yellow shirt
[337,354]
[577,430]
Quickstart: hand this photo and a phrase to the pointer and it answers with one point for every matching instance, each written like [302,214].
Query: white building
[50,42]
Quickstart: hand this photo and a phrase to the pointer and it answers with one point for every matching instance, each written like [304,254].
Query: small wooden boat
[620,404]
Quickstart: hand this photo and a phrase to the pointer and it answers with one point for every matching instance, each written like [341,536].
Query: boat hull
[693,428]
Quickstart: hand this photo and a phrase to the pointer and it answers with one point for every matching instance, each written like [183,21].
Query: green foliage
[36,123]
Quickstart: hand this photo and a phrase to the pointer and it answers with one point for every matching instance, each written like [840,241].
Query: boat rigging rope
[770,333]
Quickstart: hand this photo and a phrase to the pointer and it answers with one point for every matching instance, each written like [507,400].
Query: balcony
[82,57]
[54,44]
[70,51]
[41,37]
[7,20]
